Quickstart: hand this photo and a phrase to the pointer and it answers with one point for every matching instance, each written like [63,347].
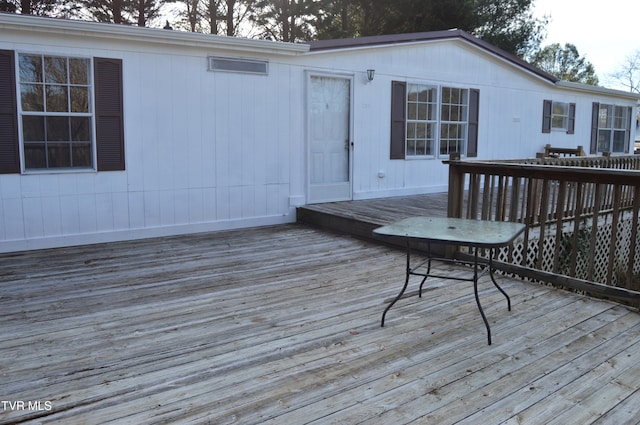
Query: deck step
[337,222]
[360,218]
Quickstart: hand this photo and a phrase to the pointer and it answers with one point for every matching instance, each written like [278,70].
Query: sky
[603,31]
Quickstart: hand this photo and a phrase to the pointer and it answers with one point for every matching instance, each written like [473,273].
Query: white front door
[329,139]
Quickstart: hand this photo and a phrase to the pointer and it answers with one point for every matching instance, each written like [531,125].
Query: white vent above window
[246,66]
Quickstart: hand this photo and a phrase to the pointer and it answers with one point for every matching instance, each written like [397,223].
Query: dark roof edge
[379,40]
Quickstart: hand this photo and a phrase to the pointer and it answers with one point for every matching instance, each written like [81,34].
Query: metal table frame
[458,232]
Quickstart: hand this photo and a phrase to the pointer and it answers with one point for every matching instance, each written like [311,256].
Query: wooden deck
[280,325]
[359,218]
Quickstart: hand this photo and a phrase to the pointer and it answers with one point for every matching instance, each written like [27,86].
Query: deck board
[280,325]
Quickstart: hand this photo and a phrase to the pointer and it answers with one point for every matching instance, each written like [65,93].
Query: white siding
[510,109]
[204,151]
[215,150]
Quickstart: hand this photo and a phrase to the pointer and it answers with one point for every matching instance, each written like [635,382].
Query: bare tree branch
[628,74]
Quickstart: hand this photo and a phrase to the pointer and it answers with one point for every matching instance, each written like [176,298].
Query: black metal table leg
[493,279]
[404,288]
[428,270]
[475,290]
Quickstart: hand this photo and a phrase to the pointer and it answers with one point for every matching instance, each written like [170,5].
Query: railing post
[456,190]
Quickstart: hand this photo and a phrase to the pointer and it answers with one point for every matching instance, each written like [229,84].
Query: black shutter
[629,119]
[109,114]
[398,118]
[595,112]
[546,116]
[472,137]
[9,144]
[572,119]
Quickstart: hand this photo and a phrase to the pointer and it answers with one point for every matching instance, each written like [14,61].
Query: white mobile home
[112,132]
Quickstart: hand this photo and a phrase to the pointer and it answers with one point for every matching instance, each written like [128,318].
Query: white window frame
[559,114]
[613,125]
[425,141]
[90,114]
[461,110]
[435,146]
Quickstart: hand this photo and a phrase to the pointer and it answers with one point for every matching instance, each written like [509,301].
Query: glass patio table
[477,234]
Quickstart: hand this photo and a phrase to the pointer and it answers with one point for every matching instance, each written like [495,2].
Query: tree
[212,16]
[114,11]
[339,19]
[286,20]
[507,24]
[565,63]
[145,11]
[628,73]
[231,13]
[432,15]
[344,18]
[130,12]
[29,7]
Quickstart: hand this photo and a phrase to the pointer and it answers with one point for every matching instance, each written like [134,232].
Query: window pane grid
[55,142]
[422,109]
[454,120]
[452,138]
[56,114]
[559,116]
[612,128]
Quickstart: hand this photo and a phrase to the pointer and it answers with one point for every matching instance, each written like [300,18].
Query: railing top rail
[537,171]
[590,161]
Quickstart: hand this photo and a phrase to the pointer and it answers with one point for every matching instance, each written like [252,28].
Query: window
[611,128]
[429,122]
[558,116]
[422,115]
[55,111]
[247,66]
[453,124]
[50,100]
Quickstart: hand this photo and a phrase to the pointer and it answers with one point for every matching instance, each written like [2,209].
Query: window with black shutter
[428,121]
[47,107]
[558,116]
[610,128]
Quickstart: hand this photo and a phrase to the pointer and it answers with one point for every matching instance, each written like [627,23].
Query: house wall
[511,103]
[215,150]
[203,150]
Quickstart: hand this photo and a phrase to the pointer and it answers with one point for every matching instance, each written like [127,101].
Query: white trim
[337,75]
[436,155]
[127,33]
[91,114]
[597,89]
[461,41]
[236,65]
[146,233]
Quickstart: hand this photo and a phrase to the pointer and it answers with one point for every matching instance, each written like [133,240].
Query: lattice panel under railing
[550,198]
[603,236]
[622,253]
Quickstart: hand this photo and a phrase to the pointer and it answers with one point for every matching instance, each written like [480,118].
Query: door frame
[344,76]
